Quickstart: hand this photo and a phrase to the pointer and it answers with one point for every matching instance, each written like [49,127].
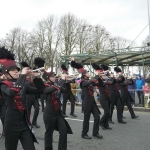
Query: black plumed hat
[97,67]
[6,54]
[78,66]
[64,69]
[105,67]
[7,60]
[117,69]
[24,64]
[39,62]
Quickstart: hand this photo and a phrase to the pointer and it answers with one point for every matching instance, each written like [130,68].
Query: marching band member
[17,125]
[114,95]
[125,96]
[104,101]
[42,98]
[2,104]
[67,94]
[89,104]
[31,99]
[53,118]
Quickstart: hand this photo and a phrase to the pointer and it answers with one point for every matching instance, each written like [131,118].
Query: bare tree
[52,38]
[69,25]
[17,42]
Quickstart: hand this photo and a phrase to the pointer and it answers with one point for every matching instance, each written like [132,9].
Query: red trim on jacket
[54,98]
[16,98]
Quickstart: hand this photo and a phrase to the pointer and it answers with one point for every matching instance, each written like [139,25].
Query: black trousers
[66,97]
[50,125]
[42,101]
[25,139]
[2,113]
[86,120]
[128,103]
[140,97]
[16,129]
[116,101]
[105,105]
[35,104]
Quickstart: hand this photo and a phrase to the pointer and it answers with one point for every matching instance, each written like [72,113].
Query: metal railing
[144,97]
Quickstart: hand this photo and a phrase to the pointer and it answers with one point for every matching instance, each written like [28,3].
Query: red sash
[54,98]
[116,87]
[106,91]
[90,90]
[16,98]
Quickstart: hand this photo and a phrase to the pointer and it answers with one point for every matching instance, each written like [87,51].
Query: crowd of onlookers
[140,87]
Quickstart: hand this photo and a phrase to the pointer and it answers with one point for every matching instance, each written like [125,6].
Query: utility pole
[148,19]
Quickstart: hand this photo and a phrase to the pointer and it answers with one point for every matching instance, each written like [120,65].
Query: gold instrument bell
[46,67]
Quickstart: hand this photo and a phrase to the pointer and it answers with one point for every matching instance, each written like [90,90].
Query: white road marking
[76,119]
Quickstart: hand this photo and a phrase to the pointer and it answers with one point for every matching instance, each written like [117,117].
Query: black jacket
[88,93]
[50,114]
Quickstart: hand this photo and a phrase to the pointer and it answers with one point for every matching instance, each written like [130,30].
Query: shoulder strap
[8,83]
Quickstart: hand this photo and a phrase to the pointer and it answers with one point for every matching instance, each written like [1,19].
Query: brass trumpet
[39,70]
[46,67]
[72,77]
[69,77]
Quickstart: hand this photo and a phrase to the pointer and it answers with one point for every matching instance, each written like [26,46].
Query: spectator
[131,89]
[147,78]
[73,89]
[96,94]
[146,90]
[139,84]
[79,91]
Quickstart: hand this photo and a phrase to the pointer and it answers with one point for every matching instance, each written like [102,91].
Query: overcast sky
[125,18]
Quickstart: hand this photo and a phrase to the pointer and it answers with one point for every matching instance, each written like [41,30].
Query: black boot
[98,136]
[86,137]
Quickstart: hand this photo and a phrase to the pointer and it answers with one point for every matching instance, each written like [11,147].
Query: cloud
[121,18]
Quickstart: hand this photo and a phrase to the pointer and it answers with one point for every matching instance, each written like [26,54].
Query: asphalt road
[135,135]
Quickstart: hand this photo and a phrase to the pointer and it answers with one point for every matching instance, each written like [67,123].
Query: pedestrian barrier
[135,94]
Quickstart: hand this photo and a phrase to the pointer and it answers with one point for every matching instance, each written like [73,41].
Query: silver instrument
[40,70]
[46,67]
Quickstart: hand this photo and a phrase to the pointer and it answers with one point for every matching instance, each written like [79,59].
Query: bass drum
[1,129]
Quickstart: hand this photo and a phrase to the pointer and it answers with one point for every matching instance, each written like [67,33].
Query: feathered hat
[105,67]
[117,69]
[97,68]
[24,64]
[7,60]
[64,69]
[79,67]
[39,62]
